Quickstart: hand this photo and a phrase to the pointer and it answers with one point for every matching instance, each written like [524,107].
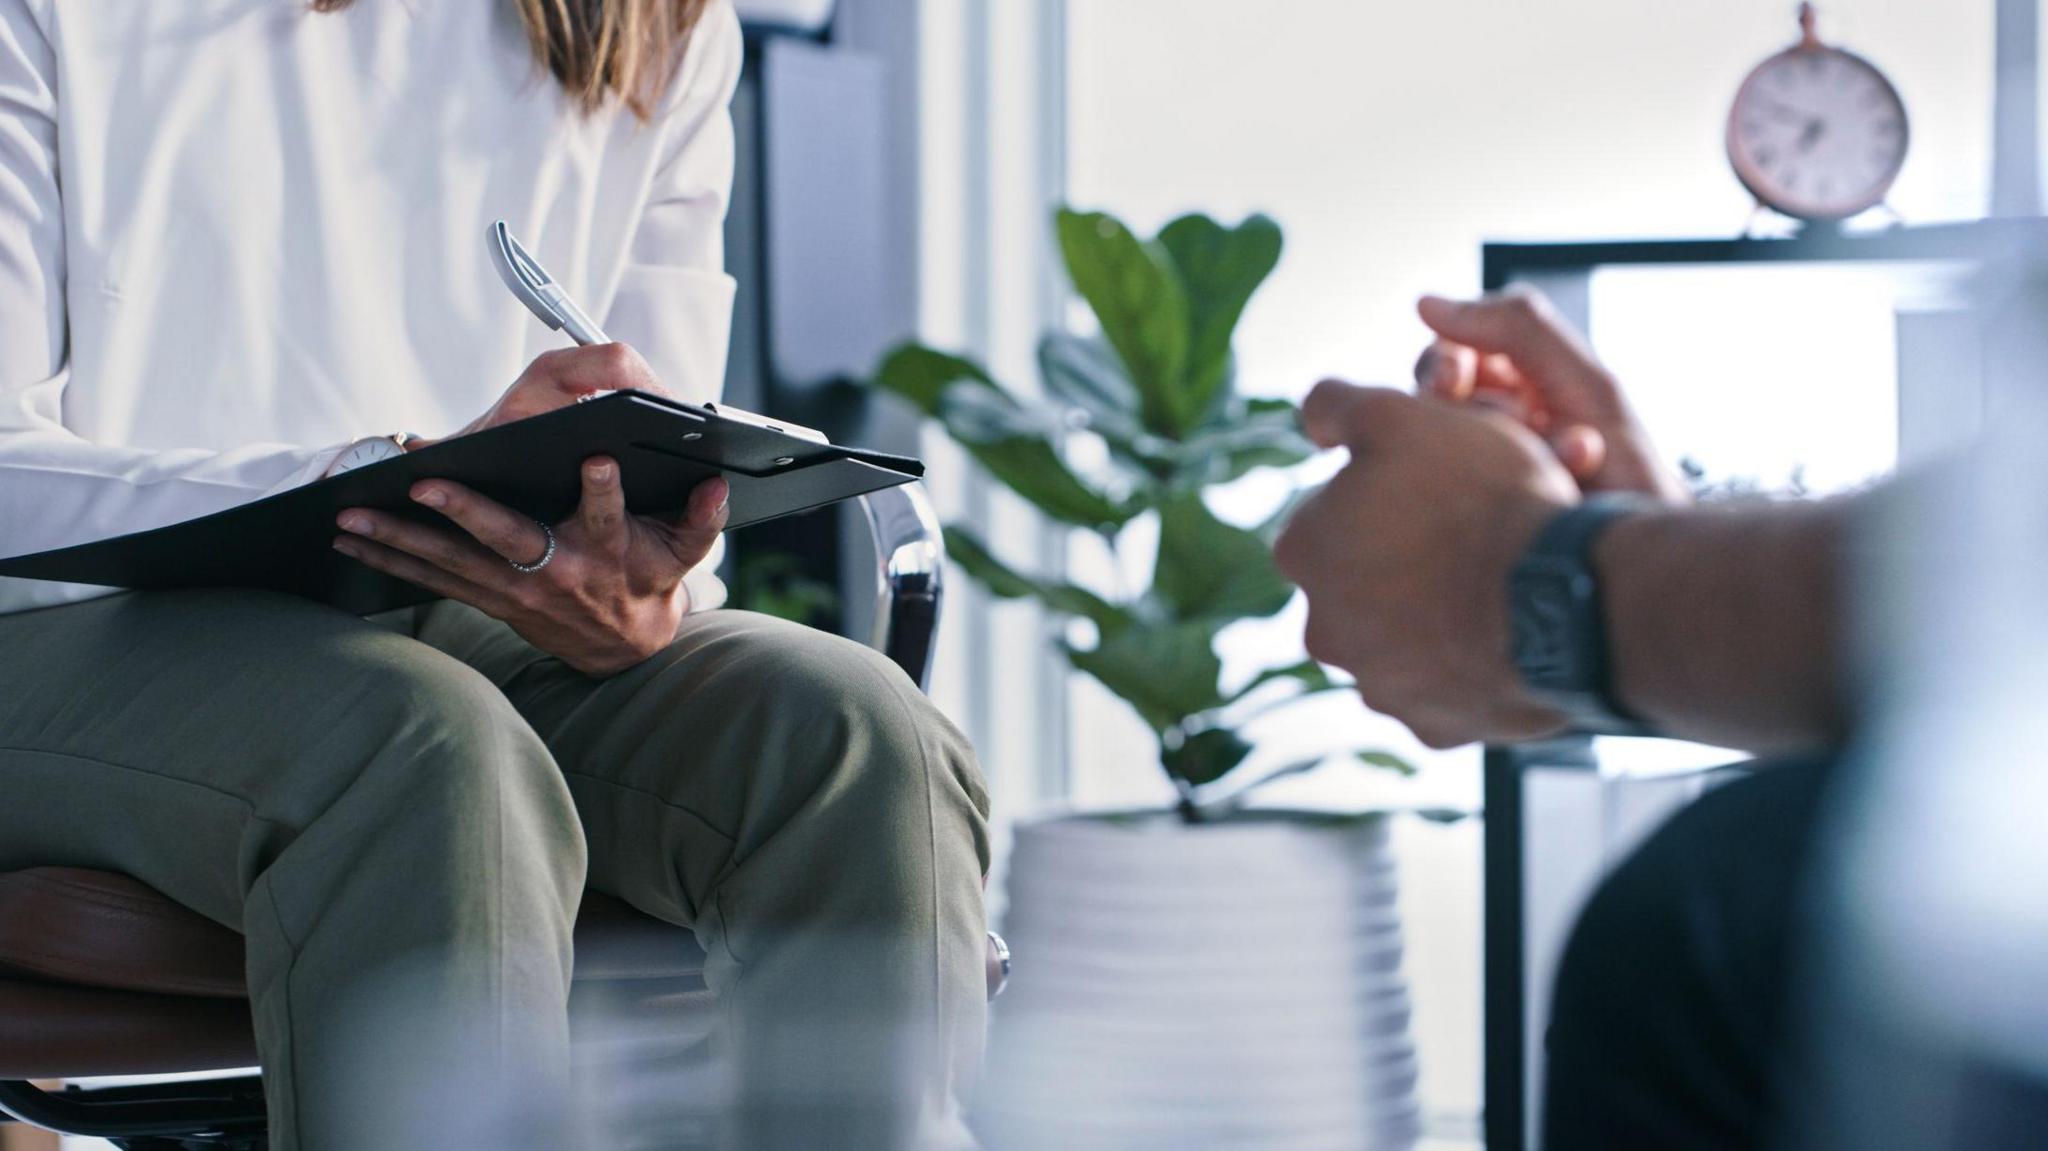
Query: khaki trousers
[400,815]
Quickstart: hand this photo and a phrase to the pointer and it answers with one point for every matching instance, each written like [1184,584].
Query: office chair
[102,976]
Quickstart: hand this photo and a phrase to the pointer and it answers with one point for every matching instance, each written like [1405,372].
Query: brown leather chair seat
[102,975]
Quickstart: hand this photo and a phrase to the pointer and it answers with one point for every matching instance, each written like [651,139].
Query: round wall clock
[1816,132]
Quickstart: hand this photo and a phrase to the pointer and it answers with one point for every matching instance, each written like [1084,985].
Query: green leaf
[1142,307]
[998,578]
[1239,436]
[1208,569]
[1224,805]
[1221,456]
[979,415]
[1387,760]
[1003,582]
[962,396]
[1220,268]
[1167,672]
[774,583]
[1210,809]
[1085,372]
[1205,756]
[922,375]
[1033,470]
[1312,677]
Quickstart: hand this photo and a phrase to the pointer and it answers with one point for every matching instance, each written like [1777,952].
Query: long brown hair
[599,49]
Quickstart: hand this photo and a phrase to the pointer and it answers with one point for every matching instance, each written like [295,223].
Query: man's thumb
[1337,414]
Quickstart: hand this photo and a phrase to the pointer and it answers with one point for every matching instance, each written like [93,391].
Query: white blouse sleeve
[57,489]
[674,301]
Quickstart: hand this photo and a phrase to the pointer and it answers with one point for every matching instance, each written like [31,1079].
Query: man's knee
[1668,1001]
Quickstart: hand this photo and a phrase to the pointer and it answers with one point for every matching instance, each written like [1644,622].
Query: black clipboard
[664,449]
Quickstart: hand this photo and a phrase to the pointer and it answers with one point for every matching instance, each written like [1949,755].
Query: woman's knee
[827,718]
[429,738]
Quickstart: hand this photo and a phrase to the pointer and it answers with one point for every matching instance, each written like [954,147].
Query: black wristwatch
[1558,627]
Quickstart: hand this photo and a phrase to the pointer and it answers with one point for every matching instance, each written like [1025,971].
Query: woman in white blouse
[238,237]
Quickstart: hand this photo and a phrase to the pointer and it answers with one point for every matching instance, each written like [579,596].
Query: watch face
[363,453]
[1817,133]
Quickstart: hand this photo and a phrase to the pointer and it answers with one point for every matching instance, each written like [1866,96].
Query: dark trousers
[1669,1028]
[1688,1006]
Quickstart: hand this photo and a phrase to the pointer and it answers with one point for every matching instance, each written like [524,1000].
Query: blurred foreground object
[1932,971]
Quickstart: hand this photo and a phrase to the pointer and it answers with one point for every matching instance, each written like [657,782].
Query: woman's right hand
[558,379]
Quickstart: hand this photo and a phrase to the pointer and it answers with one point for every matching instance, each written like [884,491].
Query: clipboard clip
[752,419]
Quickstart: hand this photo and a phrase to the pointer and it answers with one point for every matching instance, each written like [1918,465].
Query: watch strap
[1568,539]
[1571,533]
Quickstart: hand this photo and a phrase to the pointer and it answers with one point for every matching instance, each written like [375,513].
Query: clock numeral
[1764,157]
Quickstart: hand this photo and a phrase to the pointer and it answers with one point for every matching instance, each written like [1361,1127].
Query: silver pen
[538,290]
[546,299]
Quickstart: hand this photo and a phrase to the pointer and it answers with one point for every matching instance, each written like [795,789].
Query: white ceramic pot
[1233,984]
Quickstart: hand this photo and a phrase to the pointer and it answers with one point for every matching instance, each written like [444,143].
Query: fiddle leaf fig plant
[1157,386]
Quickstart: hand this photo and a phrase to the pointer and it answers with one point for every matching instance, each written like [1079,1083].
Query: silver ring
[549,554]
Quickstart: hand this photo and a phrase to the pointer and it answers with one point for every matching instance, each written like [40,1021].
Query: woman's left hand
[611,595]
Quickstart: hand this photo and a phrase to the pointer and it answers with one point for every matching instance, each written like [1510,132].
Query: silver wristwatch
[369,450]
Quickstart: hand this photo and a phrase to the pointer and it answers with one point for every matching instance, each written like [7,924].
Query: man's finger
[1518,323]
[1337,414]
[1498,370]
[1447,371]
[1581,449]
[602,514]
[512,536]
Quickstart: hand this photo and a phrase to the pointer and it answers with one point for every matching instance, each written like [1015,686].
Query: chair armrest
[910,572]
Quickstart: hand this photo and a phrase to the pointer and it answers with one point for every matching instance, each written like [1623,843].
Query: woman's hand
[560,378]
[611,593]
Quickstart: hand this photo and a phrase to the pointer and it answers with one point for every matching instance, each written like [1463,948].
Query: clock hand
[1783,111]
